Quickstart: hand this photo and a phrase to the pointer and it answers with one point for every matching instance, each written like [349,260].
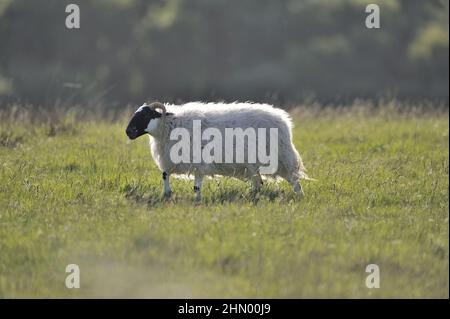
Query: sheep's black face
[139,122]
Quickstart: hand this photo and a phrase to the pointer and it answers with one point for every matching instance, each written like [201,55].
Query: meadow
[74,190]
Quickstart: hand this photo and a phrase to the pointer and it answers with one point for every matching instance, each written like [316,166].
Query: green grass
[79,192]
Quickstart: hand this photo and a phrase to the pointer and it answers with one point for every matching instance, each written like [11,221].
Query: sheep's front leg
[257,182]
[198,187]
[167,191]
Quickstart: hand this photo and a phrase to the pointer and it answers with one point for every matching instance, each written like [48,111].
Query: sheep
[165,123]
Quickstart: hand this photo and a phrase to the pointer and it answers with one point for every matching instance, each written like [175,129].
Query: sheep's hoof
[256,190]
[167,194]
[255,197]
[255,194]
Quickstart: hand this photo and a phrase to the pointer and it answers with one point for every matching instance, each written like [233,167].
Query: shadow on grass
[10,139]
[153,197]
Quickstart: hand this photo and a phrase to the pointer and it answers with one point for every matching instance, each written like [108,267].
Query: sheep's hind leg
[297,187]
[166,190]
[198,187]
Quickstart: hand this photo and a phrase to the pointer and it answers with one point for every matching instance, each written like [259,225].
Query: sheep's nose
[129,131]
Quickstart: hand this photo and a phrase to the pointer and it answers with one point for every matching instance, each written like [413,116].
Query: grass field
[79,192]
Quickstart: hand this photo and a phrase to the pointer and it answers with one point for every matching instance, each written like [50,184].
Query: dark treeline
[281,51]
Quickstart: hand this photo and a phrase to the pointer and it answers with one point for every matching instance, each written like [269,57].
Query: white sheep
[167,123]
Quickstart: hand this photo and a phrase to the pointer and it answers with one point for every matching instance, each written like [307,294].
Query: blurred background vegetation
[278,51]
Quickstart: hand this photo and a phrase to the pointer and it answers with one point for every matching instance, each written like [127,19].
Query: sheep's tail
[303,175]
